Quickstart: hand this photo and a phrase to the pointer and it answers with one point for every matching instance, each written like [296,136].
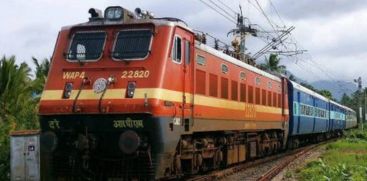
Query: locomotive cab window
[86,46]
[132,44]
[177,49]
[187,52]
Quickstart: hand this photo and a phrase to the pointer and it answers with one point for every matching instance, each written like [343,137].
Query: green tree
[309,86]
[326,93]
[18,109]
[346,100]
[292,78]
[14,87]
[272,64]
[41,72]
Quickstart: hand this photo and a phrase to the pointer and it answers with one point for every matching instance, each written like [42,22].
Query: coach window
[177,49]
[86,46]
[132,44]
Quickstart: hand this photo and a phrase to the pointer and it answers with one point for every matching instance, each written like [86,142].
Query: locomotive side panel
[232,97]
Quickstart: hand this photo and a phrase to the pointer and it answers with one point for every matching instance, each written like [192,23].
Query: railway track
[258,170]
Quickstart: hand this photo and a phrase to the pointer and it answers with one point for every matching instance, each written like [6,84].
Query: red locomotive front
[130,96]
[107,110]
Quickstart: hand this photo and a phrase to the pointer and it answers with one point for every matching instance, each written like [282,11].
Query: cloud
[305,9]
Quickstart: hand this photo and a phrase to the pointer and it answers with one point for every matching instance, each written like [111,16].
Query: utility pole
[239,38]
[359,82]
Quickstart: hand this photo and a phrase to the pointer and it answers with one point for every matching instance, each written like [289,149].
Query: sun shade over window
[86,46]
[132,44]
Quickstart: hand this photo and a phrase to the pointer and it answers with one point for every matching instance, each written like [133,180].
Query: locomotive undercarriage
[89,147]
[101,147]
[205,151]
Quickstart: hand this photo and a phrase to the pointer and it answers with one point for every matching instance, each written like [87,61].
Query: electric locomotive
[130,96]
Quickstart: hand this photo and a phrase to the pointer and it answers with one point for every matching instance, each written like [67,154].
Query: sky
[332,31]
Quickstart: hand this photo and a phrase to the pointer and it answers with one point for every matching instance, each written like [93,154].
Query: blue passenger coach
[337,117]
[351,118]
[309,113]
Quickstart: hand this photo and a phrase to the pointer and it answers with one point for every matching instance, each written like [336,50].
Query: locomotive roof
[235,61]
[156,22]
[308,91]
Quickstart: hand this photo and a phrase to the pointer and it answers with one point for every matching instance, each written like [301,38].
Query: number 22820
[135,74]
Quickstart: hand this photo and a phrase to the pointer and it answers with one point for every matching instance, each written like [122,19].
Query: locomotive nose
[129,142]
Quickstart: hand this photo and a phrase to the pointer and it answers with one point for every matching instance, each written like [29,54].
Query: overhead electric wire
[214,9]
[316,65]
[227,6]
[271,23]
[276,11]
[265,15]
[225,11]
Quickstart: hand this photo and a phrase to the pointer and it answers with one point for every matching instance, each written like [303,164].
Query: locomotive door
[188,96]
[185,43]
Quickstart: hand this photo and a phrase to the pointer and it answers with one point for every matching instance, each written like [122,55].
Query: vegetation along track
[261,169]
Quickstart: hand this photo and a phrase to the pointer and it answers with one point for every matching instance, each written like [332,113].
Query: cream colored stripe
[51,95]
[84,95]
[162,94]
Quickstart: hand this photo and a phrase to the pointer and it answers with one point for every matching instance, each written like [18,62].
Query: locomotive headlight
[48,141]
[130,91]
[129,142]
[67,90]
[114,13]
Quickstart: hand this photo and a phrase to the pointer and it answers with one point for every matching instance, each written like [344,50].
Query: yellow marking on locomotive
[54,124]
[73,75]
[163,94]
[135,74]
[84,95]
[167,95]
[128,123]
[51,95]
[91,95]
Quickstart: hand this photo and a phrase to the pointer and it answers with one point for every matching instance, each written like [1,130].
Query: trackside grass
[343,160]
